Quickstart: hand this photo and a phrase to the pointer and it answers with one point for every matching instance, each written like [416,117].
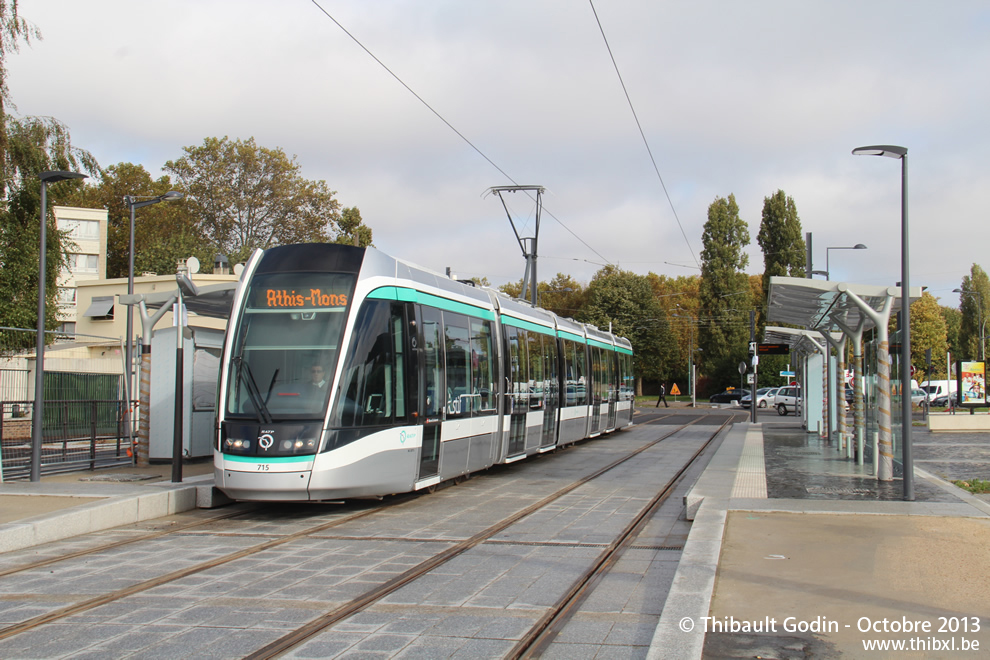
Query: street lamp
[858,246]
[979,318]
[135,202]
[39,368]
[891,151]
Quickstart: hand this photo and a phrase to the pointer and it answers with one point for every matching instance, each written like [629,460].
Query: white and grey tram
[348,373]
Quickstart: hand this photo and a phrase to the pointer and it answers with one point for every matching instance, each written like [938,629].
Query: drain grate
[674,548]
[824,490]
[120,477]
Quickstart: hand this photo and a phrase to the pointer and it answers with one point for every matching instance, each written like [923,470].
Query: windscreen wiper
[244,369]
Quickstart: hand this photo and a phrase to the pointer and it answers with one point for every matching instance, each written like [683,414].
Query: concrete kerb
[96,516]
[678,634]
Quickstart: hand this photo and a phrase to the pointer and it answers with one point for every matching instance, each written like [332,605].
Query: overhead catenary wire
[448,124]
[642,134]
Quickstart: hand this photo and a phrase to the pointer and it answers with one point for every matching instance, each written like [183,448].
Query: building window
[84,263]
[67,295]
[86,230]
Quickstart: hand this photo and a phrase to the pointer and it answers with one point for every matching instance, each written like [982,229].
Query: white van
[937,388]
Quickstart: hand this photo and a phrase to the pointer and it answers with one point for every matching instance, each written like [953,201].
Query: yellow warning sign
[674,391]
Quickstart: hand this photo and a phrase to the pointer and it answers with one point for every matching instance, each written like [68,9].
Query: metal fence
[85,413]
[76,435]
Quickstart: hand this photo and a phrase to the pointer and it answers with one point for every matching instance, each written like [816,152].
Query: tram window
[627,389]
[536,364]
[432,368]
[518,367]
[482,374]
[457,342]
[597,377]
[370,384]
[575,375]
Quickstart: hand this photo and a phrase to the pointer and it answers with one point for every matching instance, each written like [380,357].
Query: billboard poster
[972,384]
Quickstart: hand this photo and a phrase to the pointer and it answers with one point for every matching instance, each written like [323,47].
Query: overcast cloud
[734,97]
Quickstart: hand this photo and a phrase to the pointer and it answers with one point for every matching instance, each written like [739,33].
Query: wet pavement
[790,529]
[801,465]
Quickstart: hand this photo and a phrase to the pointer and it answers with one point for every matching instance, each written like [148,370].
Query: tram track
[298,636]
[540,636]
[304,633]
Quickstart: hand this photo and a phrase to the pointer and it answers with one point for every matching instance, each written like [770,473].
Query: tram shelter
[829,315]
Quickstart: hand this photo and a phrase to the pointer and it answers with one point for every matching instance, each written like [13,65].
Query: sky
[742,98]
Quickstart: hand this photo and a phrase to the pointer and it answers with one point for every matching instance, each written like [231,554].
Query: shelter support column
[885,461]
[859,408]
[837,389]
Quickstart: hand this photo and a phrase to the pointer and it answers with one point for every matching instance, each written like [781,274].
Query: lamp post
[979,318]
[135,202]
[858,246]
[39,368]
[892,151]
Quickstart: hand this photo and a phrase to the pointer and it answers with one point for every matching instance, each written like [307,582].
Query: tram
[347,373]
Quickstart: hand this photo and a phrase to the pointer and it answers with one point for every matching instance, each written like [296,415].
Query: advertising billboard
[972,384]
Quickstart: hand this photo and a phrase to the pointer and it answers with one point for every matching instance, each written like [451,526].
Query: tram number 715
[263,467]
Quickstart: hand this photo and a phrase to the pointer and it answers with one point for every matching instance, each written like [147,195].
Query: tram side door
[613,387]
[517,394]
[551,392]
[595,389]
[431,387]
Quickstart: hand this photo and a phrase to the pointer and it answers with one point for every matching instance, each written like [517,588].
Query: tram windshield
[286,346]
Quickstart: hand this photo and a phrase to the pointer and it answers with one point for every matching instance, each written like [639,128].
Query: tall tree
[353,231]
[780,239]
[724,294]
[624,301]
[974,303]
[928,331]
[13,30]
[248,197]
[679,297]
[163,233]
[34,145]
[953,321]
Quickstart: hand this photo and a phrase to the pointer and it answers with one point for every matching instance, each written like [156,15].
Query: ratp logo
[402,438]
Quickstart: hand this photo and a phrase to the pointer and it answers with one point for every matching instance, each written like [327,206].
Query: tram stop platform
[797,552]
[64,505]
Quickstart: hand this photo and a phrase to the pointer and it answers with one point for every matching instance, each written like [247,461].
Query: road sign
[674,391]
[750,379]
[787,374]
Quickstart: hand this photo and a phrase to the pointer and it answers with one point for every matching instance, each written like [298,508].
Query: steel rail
[540,636]
[321,623]
[299,635]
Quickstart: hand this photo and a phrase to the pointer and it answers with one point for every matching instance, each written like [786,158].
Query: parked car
[764,397]
[918,396]
[787,400]
[943,401]
[728,396]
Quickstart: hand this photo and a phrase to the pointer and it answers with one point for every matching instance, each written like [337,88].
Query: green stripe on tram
[269,459]
[526,325]
[564,334]
[404,294]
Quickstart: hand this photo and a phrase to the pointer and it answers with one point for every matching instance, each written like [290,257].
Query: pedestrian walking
[663,396]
